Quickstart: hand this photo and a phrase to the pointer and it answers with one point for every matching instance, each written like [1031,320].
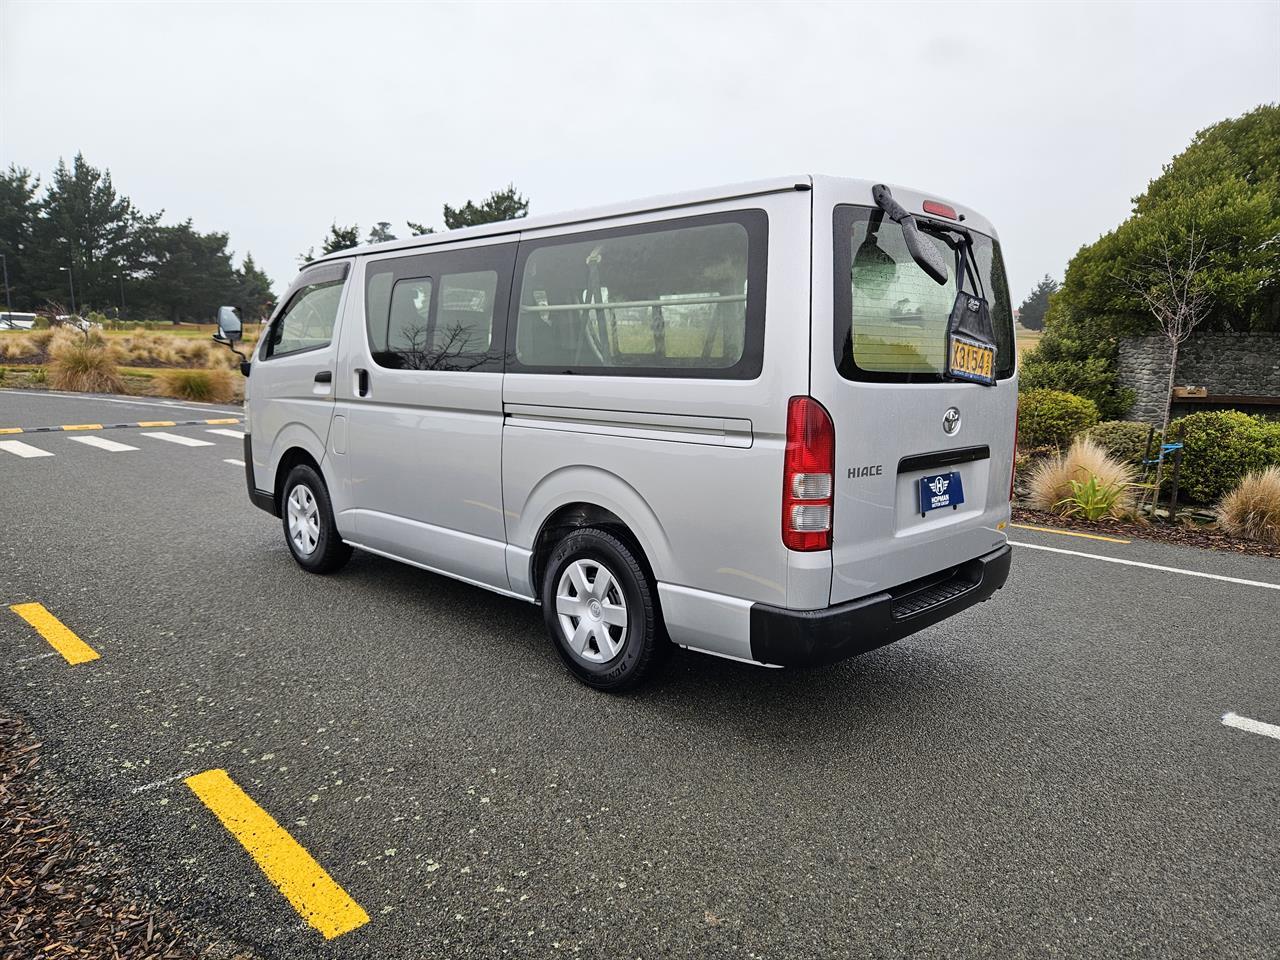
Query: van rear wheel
[309,529]
[601,611]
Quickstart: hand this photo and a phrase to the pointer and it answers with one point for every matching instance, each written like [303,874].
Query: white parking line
[1150,566]
[1251,726]
[234,463]
[23,449]
[94,398]
[178,438]
[102,443]
[238,434]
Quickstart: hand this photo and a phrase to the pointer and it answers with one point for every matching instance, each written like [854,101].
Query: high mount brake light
[807,479]
[939,209]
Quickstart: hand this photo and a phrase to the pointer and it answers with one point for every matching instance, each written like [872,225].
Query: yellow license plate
[971,361]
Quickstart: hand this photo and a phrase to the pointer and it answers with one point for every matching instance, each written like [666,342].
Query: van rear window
[890,316]
[675,298]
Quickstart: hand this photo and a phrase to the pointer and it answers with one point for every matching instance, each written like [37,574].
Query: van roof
[671,201]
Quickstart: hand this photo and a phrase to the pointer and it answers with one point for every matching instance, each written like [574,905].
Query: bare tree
[1171,285]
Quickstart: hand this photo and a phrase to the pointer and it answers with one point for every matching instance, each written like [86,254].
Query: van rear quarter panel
[692,466]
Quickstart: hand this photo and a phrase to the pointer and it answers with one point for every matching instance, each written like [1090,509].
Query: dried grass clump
[84,366]
[17,348]
[1252,509]
[1050,481]
[143,349]
[195,352]
[209,386]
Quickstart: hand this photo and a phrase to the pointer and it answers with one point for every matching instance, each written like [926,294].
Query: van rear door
[923,461]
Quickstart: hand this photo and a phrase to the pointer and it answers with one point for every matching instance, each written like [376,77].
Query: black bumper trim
[793,638]
[943,458]
[263,501]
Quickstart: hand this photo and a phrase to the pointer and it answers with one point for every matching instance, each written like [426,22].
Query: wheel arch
[588,496]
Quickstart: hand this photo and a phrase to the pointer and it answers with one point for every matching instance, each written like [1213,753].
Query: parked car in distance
[772,422]
[17,321]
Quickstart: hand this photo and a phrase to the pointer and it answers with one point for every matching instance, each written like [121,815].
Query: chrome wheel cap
[304,519]
[592,611]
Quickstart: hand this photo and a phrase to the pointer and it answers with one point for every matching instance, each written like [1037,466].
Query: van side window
[673,298]
[437,311]
[308,321]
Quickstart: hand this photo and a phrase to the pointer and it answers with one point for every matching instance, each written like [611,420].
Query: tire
[313,540]
[608,634]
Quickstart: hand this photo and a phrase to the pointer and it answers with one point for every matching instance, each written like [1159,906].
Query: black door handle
[362,383]
[324,376]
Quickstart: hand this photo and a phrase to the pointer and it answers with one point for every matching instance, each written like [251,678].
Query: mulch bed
[58,897]
[1208,538]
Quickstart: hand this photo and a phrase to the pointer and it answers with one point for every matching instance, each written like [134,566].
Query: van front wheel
[309,529]
[601,610]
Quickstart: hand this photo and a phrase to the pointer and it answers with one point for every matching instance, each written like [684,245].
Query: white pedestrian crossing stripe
[102,443]
[178,438]
[235,463]
[23,449]
[239,435]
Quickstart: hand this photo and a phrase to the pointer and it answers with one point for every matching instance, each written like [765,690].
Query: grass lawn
[1026,339]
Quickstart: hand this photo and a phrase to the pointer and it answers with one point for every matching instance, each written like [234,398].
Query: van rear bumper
[793,638]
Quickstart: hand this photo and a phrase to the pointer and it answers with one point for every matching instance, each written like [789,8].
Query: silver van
[772,422]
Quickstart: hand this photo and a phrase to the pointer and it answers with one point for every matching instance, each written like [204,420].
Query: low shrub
[1052,418]
[1252,509]
[1124,439]
[3,374]
[209,386]
[1220,448]
[1084,481]
[38,375]
[85,367]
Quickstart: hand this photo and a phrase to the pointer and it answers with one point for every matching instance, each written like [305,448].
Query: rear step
[920,595]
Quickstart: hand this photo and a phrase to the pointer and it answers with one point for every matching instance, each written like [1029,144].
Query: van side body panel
[692,465]
[423,446]
[290,409]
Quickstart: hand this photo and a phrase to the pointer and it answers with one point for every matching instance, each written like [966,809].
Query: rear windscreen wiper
[925,254]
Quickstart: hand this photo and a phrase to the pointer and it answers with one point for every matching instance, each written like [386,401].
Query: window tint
[682,297]
[890,317]
[437,311]
[308,320]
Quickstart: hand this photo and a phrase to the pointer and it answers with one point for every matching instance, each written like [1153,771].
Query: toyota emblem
[951,421]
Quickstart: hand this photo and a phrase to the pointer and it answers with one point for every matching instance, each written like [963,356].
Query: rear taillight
[808,475]
[1013,468]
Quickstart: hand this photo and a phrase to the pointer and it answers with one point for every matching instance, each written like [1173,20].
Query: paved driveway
[1047,774]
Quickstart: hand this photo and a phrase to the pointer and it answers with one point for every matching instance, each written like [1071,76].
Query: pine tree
[1031,313]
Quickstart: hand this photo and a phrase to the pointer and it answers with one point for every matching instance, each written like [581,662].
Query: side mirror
[230,332]
[230,329]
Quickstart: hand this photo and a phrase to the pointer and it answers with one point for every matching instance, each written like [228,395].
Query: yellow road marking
[1070,533]
[10,429]
[157,423]
[225,420]
[73,649]
[314,894]
[82,426]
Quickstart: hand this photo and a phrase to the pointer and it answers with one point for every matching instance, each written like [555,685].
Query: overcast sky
[272,121]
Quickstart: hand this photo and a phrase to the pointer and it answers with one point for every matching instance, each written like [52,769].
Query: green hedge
[1219,448]
[1052,418]
[1123,439]
[1094,378]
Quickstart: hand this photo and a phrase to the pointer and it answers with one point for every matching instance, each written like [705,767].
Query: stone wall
[1234,364]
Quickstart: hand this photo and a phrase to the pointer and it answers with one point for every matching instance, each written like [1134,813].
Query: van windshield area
[890,316]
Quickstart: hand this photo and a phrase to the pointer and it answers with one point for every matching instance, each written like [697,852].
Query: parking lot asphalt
[1045,775]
